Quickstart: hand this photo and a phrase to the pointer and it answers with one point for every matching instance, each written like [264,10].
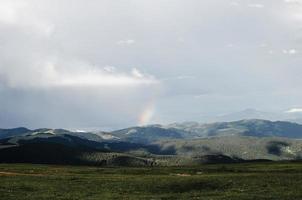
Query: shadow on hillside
[275,147]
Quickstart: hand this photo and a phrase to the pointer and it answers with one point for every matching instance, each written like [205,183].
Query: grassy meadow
[281,180]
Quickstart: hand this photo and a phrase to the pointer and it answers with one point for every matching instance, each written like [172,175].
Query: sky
[103,64]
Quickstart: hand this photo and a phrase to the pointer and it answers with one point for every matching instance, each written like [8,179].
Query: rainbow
[147,114]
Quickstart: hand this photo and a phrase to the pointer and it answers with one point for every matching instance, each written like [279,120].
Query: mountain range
[290,115]
[174,144]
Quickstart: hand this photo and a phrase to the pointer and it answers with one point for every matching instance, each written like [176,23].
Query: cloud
[110,69]
[55,62]
[294,110]
[126,42]
[250,5]
[184,77]
[293,1]
[234,3]
[136,73]
[294,9]
[290,51]
[99,78]
[8,12]
[200,95]
[230,45]
[256,5]
[99,63]
[82,75]
[36,61]
[180,77]
[20,14]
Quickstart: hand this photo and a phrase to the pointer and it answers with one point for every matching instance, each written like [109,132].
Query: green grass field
[233,181]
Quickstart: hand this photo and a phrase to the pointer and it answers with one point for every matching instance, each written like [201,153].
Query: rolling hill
[148,134]
[174,144]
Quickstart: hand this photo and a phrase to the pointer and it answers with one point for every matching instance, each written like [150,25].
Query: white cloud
[290,51]
[230,45]
[295,110]
[20,13]
[284,51]
[9,11]
[110,69]
[294,9]
[256,5]
[126,42]
[180,40]
[40,66]
[180,77]
[184,77]
[60,73]
[98,78]
[136,73]
[199,96]
[293,1]
[263,45]
[234,3]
